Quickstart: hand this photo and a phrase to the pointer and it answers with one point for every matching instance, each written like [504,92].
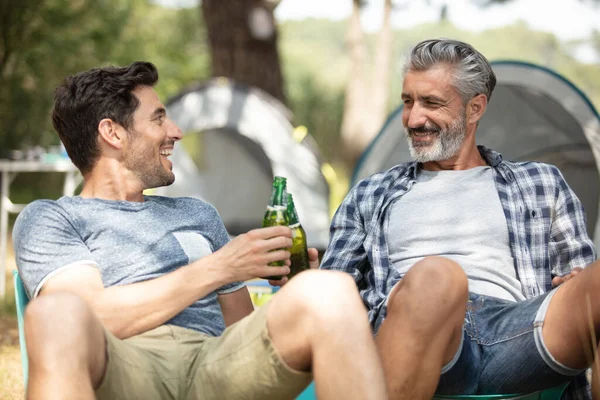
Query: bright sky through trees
[568,19]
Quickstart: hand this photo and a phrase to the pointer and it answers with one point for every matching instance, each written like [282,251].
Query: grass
[8,307]
[11,375]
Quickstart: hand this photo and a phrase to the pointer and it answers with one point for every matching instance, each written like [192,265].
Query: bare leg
[423,327]
[318,321]
[573,319]
[66,348]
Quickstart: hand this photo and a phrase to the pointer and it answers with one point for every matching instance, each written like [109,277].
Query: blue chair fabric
[21,301]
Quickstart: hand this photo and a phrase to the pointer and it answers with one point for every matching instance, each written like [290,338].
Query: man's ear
[111,133]
[475,108]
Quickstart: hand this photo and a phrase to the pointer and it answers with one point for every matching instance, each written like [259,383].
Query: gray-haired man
[456,254]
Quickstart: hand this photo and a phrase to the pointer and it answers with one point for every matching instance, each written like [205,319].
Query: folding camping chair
[554,393]
[21,300]
[548,394]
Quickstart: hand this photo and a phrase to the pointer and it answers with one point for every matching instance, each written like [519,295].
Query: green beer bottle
[299,250]
[276,212]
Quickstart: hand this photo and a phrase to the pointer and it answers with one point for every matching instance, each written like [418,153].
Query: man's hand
[313,258]
[248,255]
[559,280]
[313,263]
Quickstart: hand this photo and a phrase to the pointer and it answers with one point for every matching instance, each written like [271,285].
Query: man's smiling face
[434,116]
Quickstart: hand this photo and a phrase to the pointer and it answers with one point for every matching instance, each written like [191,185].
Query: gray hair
[473,73]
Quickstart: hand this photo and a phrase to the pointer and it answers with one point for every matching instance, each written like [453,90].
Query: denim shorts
[502,350]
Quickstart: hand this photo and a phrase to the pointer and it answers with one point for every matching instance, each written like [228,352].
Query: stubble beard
[141,162]
[445,144]
[158,176]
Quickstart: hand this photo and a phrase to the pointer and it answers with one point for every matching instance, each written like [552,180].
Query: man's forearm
[132,309]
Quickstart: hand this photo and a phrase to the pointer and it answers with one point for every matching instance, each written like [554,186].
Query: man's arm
[235,305]
[345,251]
[570,247]
[132,309]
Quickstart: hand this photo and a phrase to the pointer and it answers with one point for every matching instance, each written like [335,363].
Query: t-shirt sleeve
[220,238]
[46,243]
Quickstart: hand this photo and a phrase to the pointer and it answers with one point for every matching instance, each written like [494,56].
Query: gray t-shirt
[127,241]
[457,215]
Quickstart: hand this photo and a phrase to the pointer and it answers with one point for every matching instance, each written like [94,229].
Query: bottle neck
[277,196]
[292,215]
[291,210]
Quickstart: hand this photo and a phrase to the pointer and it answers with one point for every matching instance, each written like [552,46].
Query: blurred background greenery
[313,65]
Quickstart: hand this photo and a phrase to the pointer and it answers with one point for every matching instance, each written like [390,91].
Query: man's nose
[174,132]
[416,117]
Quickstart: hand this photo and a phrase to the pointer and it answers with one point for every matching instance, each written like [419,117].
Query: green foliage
[46,40]
[315,69]
[43,41]
[173,39]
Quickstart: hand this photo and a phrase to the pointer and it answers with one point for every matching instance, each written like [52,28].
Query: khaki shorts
[171,362]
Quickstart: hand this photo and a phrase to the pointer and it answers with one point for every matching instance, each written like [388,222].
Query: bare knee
[315,309]
[55,322]
[327,296]
[434,285]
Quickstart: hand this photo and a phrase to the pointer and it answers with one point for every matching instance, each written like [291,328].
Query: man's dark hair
[86,98]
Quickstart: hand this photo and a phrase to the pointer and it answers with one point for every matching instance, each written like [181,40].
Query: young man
[132,293]
[456,254]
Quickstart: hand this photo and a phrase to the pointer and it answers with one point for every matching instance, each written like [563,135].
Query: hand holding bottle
[299,249]
[276,214]
[313,262]
[251,254]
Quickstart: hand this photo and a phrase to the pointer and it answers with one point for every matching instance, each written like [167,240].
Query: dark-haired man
[132,293]
[456,253]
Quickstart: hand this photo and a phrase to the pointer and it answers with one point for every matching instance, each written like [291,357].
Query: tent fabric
[242,138]
[534,114]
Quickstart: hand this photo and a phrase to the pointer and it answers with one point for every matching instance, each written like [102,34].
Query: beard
[445,143]
[142,161]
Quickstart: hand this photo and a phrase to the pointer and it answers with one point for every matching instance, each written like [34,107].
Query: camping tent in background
[534,114]
[236,139]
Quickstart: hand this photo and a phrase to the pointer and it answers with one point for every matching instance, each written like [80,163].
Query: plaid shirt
[545,220]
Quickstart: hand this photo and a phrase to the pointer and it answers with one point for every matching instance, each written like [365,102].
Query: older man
[132,293]
[456,253]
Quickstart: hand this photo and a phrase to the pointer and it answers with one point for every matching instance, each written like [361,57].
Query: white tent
[534,114]
[242,138]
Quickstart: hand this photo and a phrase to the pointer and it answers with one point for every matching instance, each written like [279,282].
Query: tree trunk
[381,76]
[241,50]
[355,100]
[366,101]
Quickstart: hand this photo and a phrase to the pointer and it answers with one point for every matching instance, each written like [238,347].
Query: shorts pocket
[491,320]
